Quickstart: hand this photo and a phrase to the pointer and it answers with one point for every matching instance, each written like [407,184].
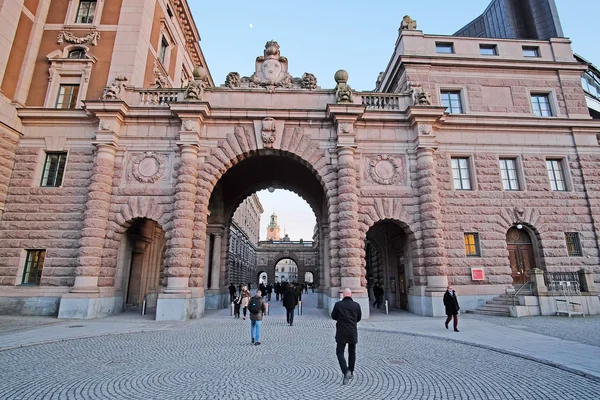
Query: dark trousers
[378,301]
[450,317]
[245,308]
[339,351]
[231,297]
[269,296]
[289,316]
[276,296]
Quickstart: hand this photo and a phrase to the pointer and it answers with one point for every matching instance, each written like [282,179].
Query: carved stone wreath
[148,167]
[385,169]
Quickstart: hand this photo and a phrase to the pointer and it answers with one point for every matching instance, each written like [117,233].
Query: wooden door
[522,261]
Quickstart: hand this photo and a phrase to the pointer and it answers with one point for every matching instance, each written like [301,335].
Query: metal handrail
[514,295]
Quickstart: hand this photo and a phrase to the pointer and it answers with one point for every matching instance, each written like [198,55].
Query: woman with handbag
[245,299]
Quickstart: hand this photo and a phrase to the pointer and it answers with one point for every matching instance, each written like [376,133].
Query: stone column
[215,273]
[84,300]
[179,253]
[207,258]
[95,220]
[349,235]
[434,249]
[174,303]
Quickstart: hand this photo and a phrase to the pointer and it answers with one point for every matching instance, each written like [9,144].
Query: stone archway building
[451,149]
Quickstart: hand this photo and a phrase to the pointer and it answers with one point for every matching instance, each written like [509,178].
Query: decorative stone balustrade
[380,101]
[157,97]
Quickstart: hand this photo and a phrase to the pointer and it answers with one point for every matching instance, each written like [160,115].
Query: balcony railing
[159,97]
[381,101]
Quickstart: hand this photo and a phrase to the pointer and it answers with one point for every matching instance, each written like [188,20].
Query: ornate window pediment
[71,71]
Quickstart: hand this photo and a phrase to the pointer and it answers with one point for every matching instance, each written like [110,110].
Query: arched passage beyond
[266,169]
[389,261]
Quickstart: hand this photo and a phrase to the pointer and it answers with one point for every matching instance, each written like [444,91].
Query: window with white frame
[452,101]
[556,174]
[54,169]
[67,96]
[34,263]
[86,10]
[461,175]
[540,103]
[508,173]
[573,244]
[164,47]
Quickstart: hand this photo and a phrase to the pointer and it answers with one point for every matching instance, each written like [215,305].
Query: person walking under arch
[245,298]
[231,292]
[290,300]
[347,313]
[257,308]
[452,307]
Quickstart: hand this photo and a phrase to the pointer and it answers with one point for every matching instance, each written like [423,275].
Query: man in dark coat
[378,293]
[231,292]
[290,300]
[451,304]
[347,313]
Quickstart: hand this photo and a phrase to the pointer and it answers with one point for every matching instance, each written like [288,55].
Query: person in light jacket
[245,298]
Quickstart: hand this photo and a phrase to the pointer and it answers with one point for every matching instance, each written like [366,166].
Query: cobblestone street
[212,358]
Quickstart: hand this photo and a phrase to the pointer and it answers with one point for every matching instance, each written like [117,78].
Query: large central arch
[238,167]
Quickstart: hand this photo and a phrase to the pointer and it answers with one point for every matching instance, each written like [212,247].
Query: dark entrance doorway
[520,254]
[388,262]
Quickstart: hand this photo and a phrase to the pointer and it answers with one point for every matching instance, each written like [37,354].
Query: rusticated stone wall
[44,218]
[8,147]
[502,91]
[490,211]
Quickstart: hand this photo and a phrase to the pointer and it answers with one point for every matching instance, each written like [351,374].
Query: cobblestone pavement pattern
[212,358]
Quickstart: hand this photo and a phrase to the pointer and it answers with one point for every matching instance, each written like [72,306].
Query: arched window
[77,53]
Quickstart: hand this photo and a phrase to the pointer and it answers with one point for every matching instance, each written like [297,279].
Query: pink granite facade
[397,169]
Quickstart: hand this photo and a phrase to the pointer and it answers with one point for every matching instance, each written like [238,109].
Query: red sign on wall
[477,274]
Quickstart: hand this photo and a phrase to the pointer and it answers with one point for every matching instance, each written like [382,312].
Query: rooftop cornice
[477,62]
[470,121]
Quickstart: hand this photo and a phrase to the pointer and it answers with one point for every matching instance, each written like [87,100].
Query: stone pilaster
[349,242]
[95,220]
[432,235]
[179,253]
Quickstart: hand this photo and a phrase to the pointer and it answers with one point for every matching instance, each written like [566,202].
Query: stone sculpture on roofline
[271,73]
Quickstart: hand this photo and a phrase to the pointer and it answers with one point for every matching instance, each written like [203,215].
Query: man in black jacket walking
[451,304]
[347,313]
[290,300]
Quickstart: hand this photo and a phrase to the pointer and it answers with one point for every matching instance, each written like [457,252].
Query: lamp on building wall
[519,226]
[271,189]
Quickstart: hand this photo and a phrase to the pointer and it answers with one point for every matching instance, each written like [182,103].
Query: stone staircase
[498,306]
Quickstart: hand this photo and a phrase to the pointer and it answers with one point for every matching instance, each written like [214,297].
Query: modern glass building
[516,19]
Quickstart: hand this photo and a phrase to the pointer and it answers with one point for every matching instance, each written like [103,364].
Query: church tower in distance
[273,228]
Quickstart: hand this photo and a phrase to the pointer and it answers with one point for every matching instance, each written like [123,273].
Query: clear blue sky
[359,36]
[326,35]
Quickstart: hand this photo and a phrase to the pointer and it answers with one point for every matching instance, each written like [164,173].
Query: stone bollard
[537,282]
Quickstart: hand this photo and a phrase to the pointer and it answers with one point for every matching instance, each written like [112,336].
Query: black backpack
[254,305]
